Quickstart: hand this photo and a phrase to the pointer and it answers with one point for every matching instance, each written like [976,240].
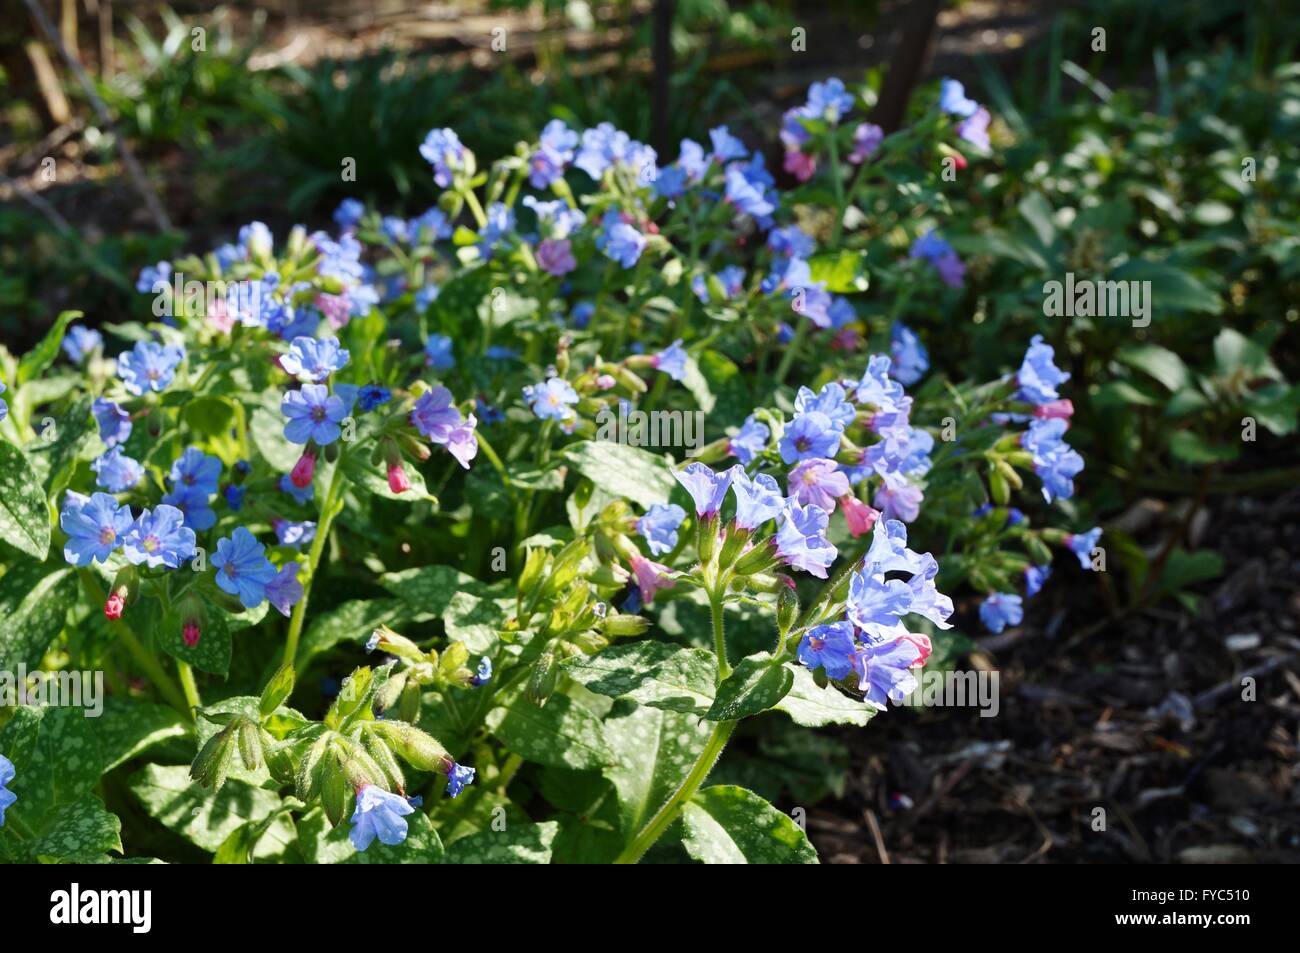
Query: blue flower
[810,435]
[829,647]
[659,527]
[284,590]
[438,352]
[553,154]
[242,567]
[750,440]
[114,422]
[430,226]
[256,240]
[885,671]
[459,777]
[671,183]
[159,537]
[80,342]
[828,401]
[1035,576]
[1082,545]
[829,100]
[443,150]
[877,388]
[484,673]
[379,814]
[487,413]
[604,146]
[7,797]
[672,360]
[295,534]
[312,361]
[94,526]
[745,195]
[371,396]
[953,100]
[552,399]
[4,408]
[154,278]
[707,489]
[149,366]
[757,500]
[1054,461]
[234,496]
[930,247]
[1000,610]
[911,359]
[196,470]
[875,604]
[500,223]
[116,472]
[194,504]
[1038,377]
[620,241]
[349,213]
[801,539]
[791,242]
[726,146]
[314,414]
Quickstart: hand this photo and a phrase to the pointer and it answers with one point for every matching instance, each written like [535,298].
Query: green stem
[151,667]
[327,514]
[800,333]
[665,816]
[719,636]
[188,685]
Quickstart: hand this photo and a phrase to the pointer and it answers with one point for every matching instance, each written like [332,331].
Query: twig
[875,835]
[133,168]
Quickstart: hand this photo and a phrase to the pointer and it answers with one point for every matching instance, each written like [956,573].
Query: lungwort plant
[447,454]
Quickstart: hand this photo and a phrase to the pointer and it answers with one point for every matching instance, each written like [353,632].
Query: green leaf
[654,751]
[33,606]
[560,733]
[35,361]
[1172,288]
[622,470]
[79,833]
[812,706]
[208,819]
[651,673]
[1192,448]
[1162,364]
[1037,211]
[352,621]
[517,844]
[429,589]
[756,685]
[358,469]
[725,824]
[1185,569]
[1234,352]
[844,272]
[55,453]
[24,517]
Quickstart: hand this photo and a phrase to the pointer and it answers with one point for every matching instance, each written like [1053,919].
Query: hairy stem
[327,512]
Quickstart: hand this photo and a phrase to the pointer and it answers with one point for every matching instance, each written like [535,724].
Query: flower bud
[706,537]
[250,745]
[620,624]
[420,750]
[762,557]
[277,690]
[733,545]
[387,640]
[719,449]
[304,471]
[212,763]
[545,675]
[398,481]
[787,609]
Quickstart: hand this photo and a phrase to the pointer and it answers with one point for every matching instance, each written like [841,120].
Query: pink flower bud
[398,481]
[922,643]
[860,517]
[304,470]
[191,632]
[1061,409]
[799,165]
[115,604]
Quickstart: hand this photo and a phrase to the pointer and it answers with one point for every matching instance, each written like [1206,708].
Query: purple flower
[551,400]
[885,672]
[379,813]
[953,101]
[284,591]
[900,501]
[750,440]
[801,539]
[438,352]
[242,567]
[866,142]
[554,152]
[314,414]
[295,534]
[149,366]
[94,526]
[757,500]
[940,254]
[830,647]
[1035,576]
[80,342]
[620,241]
[817,482]
[484,673]
[443,150]
[1082,545]
[312,361]
[459,777]
[159,537]
[555,256]
[659,527]
[707,489]
[809,435]
[672,360]
[114,422]
[975,129]
[910,357]
[1000,610]
[116,472]
[829,100]
[1038,377]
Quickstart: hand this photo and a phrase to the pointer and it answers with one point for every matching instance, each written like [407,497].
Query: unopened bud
[304,471]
